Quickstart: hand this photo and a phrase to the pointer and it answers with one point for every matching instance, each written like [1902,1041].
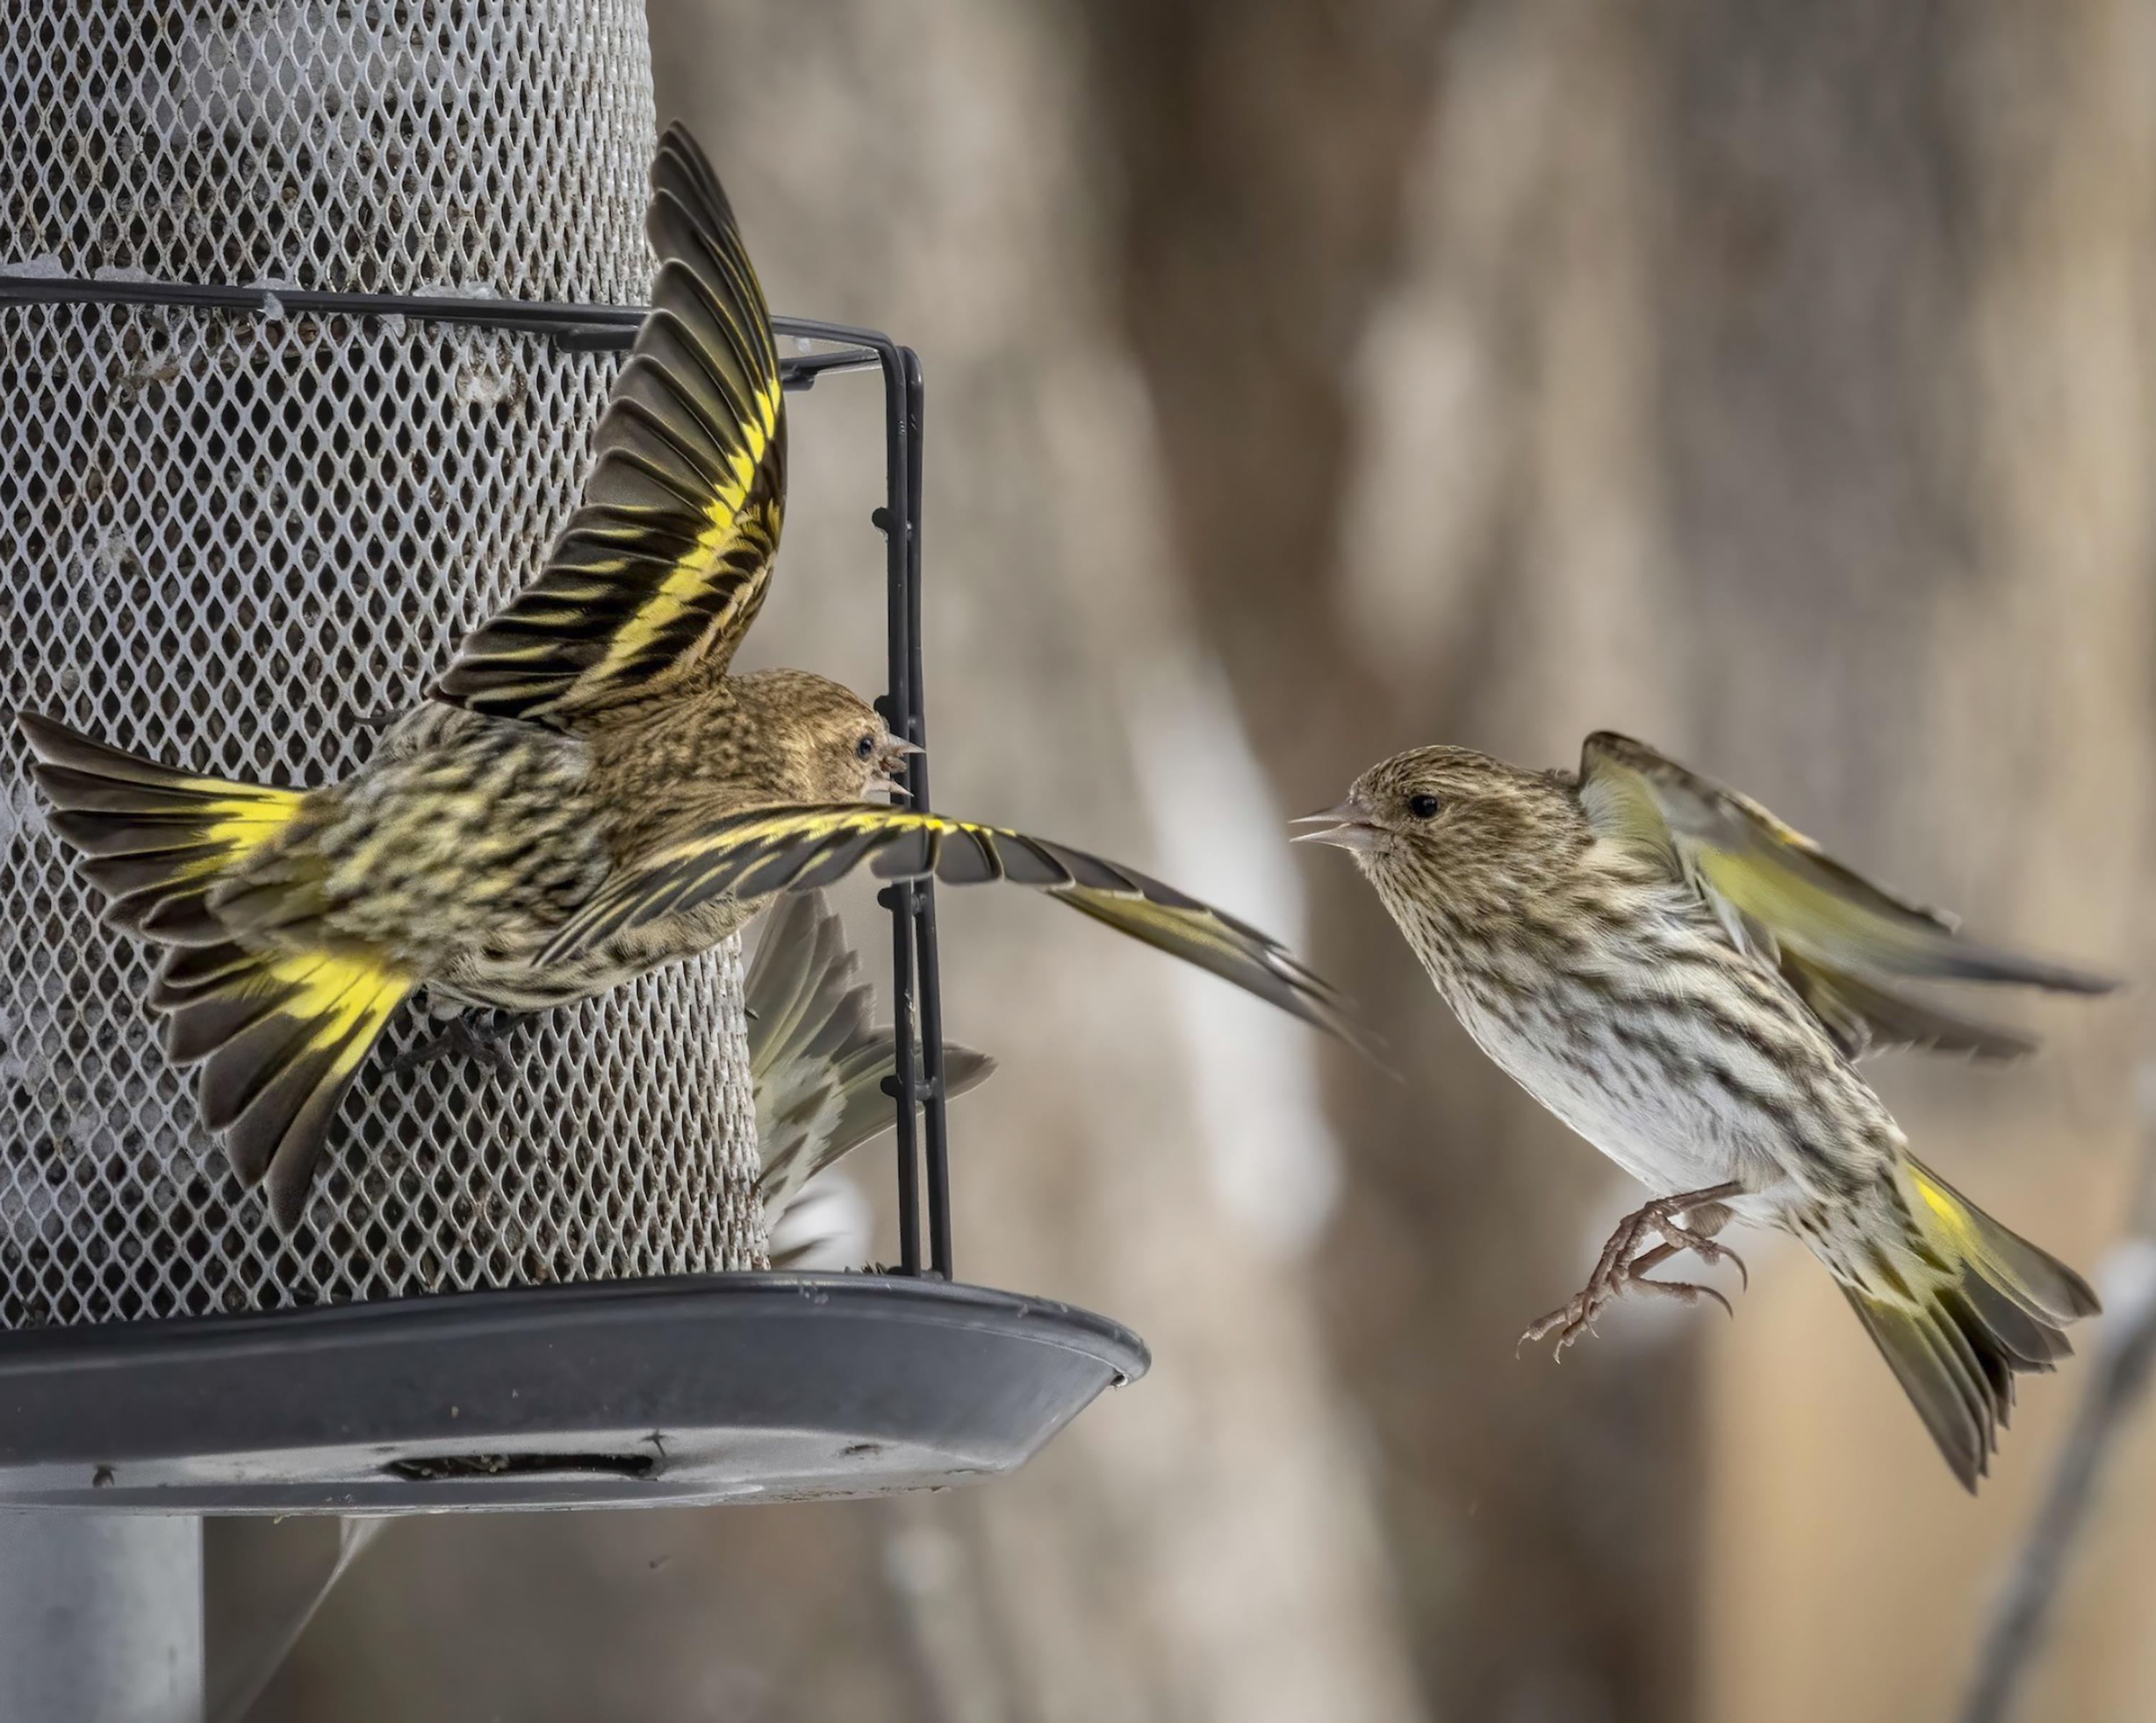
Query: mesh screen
[228,542]
[386,147]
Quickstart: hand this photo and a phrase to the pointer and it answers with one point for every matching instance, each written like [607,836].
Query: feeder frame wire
[917,1084]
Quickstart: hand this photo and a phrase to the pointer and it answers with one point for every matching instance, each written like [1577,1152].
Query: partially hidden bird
[1688,983]
[587,791]
[817,1061]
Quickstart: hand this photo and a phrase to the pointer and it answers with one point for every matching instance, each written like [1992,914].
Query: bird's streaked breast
[1637,1024]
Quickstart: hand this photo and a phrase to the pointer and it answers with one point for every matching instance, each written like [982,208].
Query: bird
[818,1062]
[1688,983]
[586,792]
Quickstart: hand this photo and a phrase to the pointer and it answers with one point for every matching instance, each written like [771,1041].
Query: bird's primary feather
[1841,940]
[761,850]
[663,567]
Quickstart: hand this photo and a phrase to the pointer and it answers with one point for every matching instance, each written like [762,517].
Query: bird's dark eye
[865,749]
[1424,806]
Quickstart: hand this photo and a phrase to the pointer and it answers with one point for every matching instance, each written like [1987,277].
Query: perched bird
[1687,983]
[588,792]
[817,1061]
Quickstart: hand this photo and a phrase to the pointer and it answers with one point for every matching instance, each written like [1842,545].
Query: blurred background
[1308,381]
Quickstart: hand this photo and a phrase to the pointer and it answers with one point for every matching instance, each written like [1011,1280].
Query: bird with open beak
[1688,983]
[588,791]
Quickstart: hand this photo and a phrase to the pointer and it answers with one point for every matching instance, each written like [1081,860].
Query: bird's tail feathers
[2037,1282]
[279,1028]
[155,840]
[278,1034]
[1980,1306]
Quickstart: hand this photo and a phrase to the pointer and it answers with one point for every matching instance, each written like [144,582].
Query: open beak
[889,763]
[1346,826]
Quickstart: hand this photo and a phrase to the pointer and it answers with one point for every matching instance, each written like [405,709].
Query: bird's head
[824,742]
[1452,830]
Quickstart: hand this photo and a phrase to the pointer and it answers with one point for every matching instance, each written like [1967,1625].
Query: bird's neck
[688,752]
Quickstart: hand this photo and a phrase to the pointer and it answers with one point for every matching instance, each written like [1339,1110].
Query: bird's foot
[1684,1223]
[464,1037]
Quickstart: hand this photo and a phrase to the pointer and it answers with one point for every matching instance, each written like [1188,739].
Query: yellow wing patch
[760,851]
[278,1035]
[686,587]
[1810,909]
[665,564]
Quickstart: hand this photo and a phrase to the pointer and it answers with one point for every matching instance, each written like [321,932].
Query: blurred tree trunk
[1383,270]
[1908,371]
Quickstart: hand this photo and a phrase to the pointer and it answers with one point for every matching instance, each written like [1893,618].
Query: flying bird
[1688,983]
[588,792]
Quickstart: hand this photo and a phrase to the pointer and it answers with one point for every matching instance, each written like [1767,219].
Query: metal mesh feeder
[308,314]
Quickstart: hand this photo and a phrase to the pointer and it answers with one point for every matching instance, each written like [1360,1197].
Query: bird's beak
[889,763]
[1347,826]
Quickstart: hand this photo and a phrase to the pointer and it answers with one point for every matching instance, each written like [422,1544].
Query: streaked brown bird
[1687,983]
[588,792]
[817,1060]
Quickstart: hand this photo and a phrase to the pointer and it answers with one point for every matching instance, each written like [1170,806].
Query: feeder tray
[736,1387]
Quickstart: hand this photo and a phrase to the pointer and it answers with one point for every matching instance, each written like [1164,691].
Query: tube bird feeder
[308,313]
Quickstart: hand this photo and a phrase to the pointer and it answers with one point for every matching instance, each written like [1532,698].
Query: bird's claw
[1685,1292]
[1710,1250]
[460,1038]
[1569,1321]
[1623,1265]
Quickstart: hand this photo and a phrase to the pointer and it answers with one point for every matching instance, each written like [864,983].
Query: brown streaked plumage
[567,809]
[1687,982]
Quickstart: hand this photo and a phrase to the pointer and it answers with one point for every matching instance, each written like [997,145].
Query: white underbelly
[1670,1136]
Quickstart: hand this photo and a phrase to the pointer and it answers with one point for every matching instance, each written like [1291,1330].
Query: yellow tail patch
[278,1032]
[346,1000]
[1948,1211]
[242,819]
[2036,1280]
[1990,1307]
[279,1035]
[154,838]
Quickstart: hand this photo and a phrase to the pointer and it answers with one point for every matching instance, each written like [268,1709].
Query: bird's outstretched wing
[818,1059]
[1839,940]
[794,848]
[663,566]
